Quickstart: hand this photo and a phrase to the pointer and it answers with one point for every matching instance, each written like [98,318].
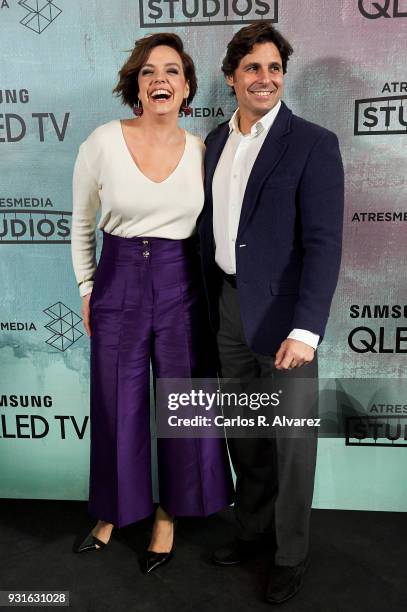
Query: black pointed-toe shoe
[89,544]
[152,560]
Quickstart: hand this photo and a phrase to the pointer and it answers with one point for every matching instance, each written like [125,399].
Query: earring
[187,110]
[138,110]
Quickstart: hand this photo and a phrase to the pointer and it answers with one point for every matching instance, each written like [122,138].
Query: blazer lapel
[269,156]
[213,154]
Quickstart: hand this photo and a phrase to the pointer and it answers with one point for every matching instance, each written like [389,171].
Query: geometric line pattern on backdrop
[41,13]
[63,326]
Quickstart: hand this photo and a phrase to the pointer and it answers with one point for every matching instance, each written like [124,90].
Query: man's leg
[274,475]
[295,452]
[295,457]
[252,458]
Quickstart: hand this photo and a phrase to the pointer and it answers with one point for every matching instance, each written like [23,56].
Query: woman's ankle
[162,515]
[103,531]
[104,524]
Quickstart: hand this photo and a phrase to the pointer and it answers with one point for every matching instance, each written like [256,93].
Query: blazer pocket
[283,288]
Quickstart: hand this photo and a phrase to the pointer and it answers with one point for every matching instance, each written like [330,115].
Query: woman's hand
[86,313]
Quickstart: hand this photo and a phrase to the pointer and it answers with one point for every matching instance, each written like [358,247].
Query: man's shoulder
[312,131]
[216,132]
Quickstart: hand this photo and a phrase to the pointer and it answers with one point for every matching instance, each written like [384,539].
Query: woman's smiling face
[162,83]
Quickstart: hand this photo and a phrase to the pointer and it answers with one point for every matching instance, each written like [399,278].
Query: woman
[144,303]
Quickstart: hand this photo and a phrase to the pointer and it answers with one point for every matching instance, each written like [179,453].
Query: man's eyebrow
[273,63]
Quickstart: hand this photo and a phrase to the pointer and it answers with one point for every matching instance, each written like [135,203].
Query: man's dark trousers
[274,475]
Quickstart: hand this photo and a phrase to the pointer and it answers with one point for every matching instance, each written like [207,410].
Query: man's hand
[86,313]
[293,354]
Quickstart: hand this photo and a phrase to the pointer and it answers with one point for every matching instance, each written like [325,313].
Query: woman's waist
[149,248]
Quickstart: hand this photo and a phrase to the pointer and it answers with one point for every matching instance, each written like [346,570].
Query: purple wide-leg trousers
[147,306]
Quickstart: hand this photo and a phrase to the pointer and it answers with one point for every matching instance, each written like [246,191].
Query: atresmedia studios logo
[40,14]
[383,115]
[376,431]
[35,227]
[175,13]
[63,326]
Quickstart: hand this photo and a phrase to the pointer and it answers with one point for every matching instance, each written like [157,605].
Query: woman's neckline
[134,163]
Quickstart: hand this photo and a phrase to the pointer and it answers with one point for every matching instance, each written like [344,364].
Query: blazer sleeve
[86,203]
[321,204]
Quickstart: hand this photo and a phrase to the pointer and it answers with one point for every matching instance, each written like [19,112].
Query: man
[271,233]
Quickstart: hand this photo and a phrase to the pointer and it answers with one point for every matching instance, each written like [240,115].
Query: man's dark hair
[244,40]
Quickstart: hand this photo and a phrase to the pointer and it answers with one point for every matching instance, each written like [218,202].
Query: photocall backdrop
[59,63]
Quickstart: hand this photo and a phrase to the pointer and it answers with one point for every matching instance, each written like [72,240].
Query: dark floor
[358,563]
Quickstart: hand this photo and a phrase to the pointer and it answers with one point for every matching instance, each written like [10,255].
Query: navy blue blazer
[289,240]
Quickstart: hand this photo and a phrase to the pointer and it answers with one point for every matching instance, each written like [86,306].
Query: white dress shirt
[228,188]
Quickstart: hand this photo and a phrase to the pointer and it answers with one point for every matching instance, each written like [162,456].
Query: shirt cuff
[305,336]
[85,288]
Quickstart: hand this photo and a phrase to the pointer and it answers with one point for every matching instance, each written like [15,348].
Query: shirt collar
[260,126]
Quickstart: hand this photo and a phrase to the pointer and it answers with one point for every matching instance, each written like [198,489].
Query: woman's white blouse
[106,177]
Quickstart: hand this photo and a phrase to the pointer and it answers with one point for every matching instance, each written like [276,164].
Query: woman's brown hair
[127,88]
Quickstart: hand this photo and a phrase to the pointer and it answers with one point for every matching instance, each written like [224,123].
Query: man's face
[258,80]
